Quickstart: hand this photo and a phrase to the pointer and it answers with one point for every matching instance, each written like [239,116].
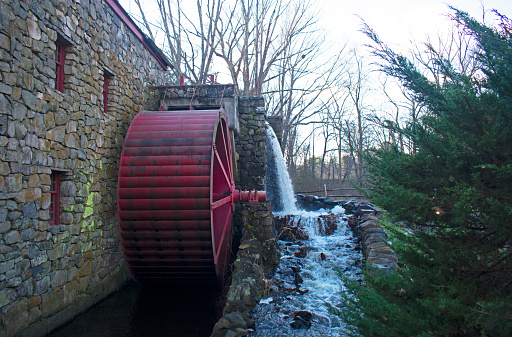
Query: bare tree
[190,37]
[358,89]
[326,135]
[300,87]
[335,116]
[406,113]
[456,51]
[257,34]
[144,20]
[349,114]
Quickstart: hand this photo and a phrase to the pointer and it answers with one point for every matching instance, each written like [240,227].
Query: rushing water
[277,181]
[312,245]
[311,261]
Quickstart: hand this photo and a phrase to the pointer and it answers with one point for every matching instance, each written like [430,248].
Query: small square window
[55,198]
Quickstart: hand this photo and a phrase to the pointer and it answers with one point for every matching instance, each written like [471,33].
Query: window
[59,60]
[55,198]
[107,77]
[61,44]
[105,92]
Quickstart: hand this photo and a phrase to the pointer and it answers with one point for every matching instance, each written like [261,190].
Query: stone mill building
[72,77]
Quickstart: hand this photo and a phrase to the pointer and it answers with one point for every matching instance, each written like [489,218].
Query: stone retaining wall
[276,122]
[376,249]
[48,273]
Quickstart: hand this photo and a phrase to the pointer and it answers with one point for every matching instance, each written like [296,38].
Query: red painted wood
[55,198]
[105,93]
[176,196]
[163,192]
[60,59]
[166,160]
[153,182]
[164,196]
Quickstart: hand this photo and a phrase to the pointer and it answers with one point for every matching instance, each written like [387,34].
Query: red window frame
[60,58]
[55,198]
[105,92]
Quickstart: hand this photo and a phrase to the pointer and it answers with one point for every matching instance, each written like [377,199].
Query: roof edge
[146,41]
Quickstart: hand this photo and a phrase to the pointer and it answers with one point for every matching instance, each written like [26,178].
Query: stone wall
[48,274]
[257,253]
[276,122]
[250,143]
[251,151]
[377,252]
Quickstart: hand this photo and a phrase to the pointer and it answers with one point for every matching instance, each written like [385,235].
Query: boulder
[301,319]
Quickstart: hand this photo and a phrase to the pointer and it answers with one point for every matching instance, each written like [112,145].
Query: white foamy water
[284,183]
[320,284]
[305,280]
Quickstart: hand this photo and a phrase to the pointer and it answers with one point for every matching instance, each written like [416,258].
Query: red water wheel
[176,195]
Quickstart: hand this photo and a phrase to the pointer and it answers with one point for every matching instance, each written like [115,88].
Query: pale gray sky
[399,21]
[396,21]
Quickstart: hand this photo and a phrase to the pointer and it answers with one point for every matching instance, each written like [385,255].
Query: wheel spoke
[227,150]
[222,238]
[222,166]
[221,202]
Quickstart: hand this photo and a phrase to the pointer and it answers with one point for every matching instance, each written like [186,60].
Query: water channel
[305,279]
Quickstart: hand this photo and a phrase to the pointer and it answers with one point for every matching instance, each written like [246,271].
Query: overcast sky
[398,21]
[395,21]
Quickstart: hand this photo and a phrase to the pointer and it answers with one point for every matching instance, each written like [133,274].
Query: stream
[312,244]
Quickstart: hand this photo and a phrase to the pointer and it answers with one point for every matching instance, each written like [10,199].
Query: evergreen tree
[454,196]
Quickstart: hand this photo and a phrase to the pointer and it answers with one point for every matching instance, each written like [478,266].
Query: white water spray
[284,187]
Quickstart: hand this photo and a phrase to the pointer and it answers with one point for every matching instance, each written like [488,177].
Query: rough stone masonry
[49,273]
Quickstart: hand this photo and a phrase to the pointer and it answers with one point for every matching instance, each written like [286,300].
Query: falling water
[278,183]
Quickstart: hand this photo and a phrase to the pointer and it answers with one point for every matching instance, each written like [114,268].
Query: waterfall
[311,243]
[277,182]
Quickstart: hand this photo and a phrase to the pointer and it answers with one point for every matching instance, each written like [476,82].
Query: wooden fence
[344,192]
